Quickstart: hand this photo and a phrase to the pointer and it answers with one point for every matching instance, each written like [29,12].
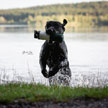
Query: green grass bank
[38,92]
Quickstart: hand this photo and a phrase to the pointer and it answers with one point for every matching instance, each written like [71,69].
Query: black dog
[54,55]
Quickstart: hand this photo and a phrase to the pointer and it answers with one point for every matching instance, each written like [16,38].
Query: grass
[39,92]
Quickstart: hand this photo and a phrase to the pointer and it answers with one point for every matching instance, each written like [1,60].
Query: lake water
[19,56]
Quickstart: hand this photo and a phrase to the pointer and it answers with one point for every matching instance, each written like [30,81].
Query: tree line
[79,14]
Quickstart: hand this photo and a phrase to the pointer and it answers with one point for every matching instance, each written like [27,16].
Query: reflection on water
[88,29]
[19,56]
[28,28]
[16,28]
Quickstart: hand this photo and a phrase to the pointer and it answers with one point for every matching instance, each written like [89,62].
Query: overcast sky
[7,4]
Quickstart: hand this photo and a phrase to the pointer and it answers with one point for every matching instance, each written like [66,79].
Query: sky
[9,4]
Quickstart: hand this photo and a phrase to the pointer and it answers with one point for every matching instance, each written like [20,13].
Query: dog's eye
[49,25]
[56,25]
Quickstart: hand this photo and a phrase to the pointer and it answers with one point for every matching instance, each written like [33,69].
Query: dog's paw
[45,74]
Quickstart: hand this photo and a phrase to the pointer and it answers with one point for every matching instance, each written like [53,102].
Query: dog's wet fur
[54,55]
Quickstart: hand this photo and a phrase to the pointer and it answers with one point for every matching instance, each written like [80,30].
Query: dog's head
[55,26]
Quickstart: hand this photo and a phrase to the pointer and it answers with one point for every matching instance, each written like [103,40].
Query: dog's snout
[50,30]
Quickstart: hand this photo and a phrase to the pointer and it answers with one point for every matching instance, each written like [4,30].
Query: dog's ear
[64,22]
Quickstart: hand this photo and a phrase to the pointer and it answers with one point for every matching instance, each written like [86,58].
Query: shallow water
[87,54]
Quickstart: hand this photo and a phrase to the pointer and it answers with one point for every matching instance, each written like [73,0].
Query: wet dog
[54,55]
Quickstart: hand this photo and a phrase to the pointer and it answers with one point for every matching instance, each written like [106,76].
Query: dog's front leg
[54,70]
[43,58]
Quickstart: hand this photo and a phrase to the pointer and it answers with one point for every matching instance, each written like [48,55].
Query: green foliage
[33,92]
[80,14]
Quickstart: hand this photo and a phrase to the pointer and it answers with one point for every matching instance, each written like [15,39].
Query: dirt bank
[71,103]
